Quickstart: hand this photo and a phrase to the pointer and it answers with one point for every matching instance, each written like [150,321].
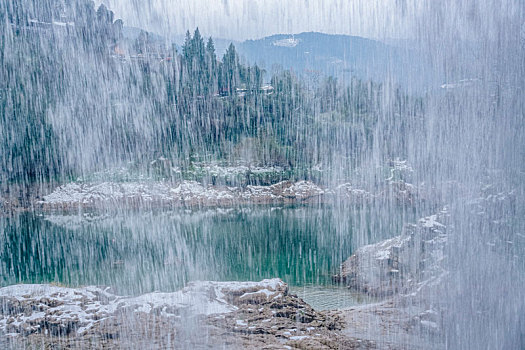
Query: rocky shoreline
[166,185]
[239,315]
[190,194]
[107,195]
[245,315]
[233,315]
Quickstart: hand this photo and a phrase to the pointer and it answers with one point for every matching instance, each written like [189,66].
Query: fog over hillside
[242,19]
[262,174]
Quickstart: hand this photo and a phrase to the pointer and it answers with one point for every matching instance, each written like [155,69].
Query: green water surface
[162,250]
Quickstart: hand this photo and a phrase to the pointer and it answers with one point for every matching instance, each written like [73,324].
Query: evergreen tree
[198,48]
[199,68]
[257,77]
[186,48]
[210,51]
[230,71]
[211,63]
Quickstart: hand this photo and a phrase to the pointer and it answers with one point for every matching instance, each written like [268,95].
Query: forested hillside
[77,97]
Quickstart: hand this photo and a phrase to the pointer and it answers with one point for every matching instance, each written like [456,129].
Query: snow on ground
[193,193]
[349,191]
[232,171]
[303,189]
[185,192]
[26,306]
[431,222]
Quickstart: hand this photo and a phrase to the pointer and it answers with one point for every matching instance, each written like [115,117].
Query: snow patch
[88,306]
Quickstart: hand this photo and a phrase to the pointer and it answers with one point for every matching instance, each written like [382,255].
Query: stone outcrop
[400,264]
[194,194]
[233,315]
[186,193]
[399,272]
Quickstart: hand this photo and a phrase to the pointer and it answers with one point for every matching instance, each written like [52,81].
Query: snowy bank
[186,193]
[233,315]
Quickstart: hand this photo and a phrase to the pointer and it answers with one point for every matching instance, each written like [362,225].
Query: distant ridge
[343,56]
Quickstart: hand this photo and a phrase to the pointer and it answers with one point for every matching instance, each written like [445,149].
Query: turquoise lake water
[136,252]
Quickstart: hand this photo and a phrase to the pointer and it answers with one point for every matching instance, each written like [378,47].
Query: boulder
[399,264]
[233,315]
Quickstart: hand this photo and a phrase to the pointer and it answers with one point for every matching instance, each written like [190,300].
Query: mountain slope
[338,55]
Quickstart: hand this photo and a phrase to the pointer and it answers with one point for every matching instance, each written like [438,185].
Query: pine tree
[257,77]
[198,48]
[230,70]
[210,50]
[211,62]
[186,48]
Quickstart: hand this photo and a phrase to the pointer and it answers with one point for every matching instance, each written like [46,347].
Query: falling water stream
[271,140]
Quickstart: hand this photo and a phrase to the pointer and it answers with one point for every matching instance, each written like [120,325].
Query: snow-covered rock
[233,315]
[348,191]
[189,193]
[399,264]
[39,308]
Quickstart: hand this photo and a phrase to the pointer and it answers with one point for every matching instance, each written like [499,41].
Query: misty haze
[262,174]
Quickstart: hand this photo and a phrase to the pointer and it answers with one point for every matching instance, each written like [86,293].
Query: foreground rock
[203,315]
[400,271]
[421,279]
[400,264]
